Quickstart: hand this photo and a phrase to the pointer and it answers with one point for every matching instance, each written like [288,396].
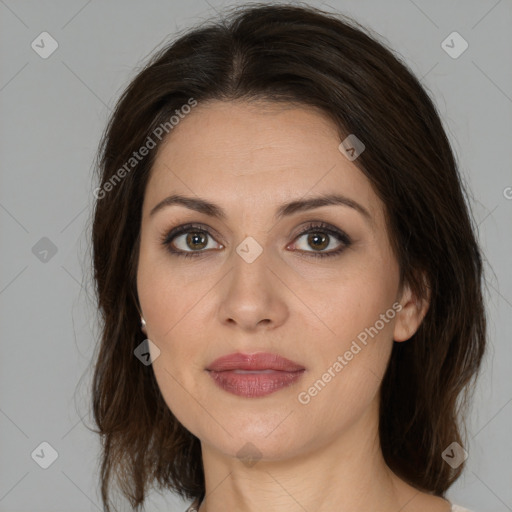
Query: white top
[455,508]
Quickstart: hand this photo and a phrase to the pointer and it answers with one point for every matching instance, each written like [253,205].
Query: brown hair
[302,55]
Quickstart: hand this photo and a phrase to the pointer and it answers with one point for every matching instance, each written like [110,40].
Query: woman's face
[252,283]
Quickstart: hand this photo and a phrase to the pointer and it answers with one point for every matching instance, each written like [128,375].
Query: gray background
[53,112]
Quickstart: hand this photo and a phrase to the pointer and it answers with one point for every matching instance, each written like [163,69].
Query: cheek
[168,297]
[167,310]
[172,305]
[171,316]
[352,358]
[346,380]
[357,300]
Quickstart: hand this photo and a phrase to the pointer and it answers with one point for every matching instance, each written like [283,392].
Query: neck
[346,473]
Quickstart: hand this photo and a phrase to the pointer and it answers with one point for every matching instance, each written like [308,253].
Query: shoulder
[458,508]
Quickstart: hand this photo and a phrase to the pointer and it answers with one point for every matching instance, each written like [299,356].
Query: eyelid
[327,228]
[167,237]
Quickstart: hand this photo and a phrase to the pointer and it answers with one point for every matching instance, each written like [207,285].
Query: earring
[142,323]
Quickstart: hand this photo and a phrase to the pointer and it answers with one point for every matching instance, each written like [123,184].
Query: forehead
[239,153]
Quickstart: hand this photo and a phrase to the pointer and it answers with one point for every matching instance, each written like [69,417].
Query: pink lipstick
[254,375]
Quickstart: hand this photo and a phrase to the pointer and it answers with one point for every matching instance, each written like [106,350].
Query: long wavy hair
[305,56]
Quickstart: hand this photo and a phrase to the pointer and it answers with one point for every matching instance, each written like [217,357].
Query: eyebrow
[208,208]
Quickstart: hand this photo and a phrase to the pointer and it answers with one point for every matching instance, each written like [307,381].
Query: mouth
[254,375]
[254,371]
[254,362]
[254,383]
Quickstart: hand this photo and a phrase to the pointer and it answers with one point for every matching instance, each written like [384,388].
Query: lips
[254,375]
[254,363]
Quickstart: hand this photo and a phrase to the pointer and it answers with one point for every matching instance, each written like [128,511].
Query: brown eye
[188,240]
[321,236]
[318,240]
[196,240]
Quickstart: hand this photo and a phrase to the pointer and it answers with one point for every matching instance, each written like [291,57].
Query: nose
[252,295]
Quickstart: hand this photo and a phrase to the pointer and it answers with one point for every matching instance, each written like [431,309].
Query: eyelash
[313,227]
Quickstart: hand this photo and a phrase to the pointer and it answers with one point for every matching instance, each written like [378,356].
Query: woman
[280,209]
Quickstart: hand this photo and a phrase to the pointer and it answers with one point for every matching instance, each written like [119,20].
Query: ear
[413,311]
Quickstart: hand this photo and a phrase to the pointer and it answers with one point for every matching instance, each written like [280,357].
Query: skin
[249,158]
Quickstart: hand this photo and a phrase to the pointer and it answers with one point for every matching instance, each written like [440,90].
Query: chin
[256,437]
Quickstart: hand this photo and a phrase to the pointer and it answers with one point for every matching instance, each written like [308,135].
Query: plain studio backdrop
[55,98]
